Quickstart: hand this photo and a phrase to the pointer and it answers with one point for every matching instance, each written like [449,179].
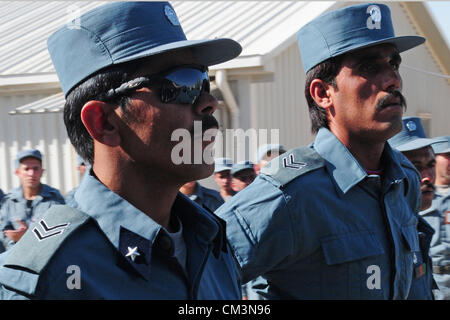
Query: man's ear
[320,92]
[98,118]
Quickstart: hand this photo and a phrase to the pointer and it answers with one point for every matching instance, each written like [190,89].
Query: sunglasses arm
[128,87]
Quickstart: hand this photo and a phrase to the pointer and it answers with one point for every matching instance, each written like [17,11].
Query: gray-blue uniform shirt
[16,207]
[316,226]
[1,195]
[207,197]
[105,248]
[438,216]
[69,195]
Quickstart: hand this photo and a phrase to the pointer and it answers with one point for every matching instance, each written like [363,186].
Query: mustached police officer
[338,219]
[130,79]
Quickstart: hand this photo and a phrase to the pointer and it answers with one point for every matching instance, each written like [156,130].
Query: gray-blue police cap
[441,144]
[30,153]
[411,137]
[243,165]
[222,164]
[120,32]
[337,32]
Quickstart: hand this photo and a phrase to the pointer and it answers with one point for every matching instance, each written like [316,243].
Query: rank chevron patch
[48,231]
[292,164]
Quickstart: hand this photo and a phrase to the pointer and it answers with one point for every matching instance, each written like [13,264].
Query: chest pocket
[350,262]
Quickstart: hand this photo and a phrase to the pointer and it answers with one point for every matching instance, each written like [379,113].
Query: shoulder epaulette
[43,238]
[292,164]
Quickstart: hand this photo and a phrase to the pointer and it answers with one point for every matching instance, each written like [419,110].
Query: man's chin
[31,185]
[199,171]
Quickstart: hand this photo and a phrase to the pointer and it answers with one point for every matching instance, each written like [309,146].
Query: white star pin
[132,253]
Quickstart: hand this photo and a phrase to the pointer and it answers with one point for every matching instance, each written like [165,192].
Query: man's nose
[206,104]
[428,176]
[392,80]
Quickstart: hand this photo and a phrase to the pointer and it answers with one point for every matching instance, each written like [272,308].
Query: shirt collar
[114,213]
[207,227]
[198,191]
[345,169]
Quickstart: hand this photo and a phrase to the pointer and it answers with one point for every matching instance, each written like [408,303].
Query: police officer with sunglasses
[130,79]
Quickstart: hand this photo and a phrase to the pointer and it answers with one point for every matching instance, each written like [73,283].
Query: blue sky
[441,12]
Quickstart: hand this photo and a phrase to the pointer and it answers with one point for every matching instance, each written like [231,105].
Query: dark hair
[327,72]
[94,88]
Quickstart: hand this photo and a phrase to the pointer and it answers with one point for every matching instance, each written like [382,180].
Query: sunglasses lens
[184,85]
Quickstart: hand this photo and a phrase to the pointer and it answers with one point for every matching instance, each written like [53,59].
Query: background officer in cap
[414,144]
[441,150]
[130,79]
[203,196]
[222,177]
[338,219]
[242,174]
[23,205]
[439,217]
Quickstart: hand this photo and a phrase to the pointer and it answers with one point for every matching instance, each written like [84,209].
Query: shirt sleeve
[5,221]
[259,228]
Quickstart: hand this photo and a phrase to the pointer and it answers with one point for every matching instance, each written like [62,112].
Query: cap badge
[171,16]
[411,125]
[374,21]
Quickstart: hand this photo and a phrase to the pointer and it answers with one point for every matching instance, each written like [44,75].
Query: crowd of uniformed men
[361,213]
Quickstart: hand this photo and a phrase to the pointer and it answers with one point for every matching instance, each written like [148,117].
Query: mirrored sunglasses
[181,85]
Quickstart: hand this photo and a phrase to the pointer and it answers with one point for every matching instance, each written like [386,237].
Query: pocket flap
[349,247]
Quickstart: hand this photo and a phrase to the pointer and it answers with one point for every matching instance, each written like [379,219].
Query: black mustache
[428,186]
[386,100]
[208,122]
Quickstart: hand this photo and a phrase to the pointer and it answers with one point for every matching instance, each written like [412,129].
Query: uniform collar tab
[344,168]
[136,250]
[114,212]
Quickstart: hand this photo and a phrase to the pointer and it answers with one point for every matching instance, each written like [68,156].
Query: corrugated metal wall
[45,132]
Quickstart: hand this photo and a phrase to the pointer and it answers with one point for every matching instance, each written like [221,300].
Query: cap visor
[415,144]
[201,52]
